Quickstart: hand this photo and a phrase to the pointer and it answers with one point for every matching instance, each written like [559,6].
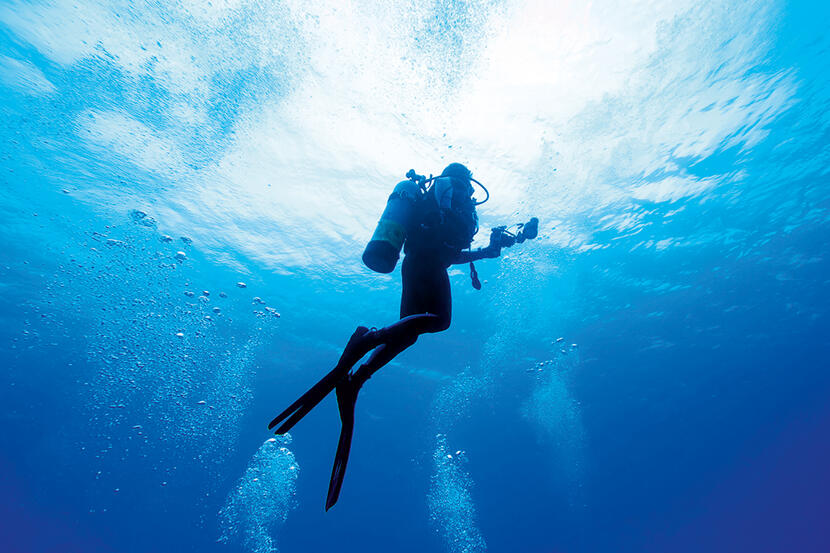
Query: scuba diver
[435,226]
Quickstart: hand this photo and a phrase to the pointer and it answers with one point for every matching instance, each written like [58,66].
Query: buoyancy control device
[453,212]
[446,206]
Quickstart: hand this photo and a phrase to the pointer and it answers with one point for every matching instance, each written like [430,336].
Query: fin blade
[346,402]
[310,399]
[358,345]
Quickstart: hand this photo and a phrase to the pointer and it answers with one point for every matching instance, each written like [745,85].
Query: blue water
[649,375]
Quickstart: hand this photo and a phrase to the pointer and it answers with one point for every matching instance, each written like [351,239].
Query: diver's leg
[388,342]
[418,298]
[435,296]
[397,339]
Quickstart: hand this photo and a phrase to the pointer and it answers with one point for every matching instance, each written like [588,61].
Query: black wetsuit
[426,285]
[426,307]
[426,289]
[426,300]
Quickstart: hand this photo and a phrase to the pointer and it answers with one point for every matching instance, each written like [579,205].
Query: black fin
[308,400]
[356,348]
[346,399]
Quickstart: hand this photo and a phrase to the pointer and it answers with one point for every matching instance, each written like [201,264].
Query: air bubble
[272,311]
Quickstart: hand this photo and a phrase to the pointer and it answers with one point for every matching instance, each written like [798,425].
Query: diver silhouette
[434,224]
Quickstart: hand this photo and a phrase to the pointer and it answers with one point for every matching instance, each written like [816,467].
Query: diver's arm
[490,252]
[500,238]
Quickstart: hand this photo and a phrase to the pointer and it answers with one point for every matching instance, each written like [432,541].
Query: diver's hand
[491,252]
[493,249]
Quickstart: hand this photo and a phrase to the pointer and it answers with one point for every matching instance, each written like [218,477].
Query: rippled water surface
[185,192]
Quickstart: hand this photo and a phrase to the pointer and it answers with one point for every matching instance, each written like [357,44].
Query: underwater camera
[503,238]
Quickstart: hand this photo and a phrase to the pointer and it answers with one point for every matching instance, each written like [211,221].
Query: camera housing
[503,238]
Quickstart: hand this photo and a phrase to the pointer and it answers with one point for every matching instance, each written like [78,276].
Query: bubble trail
[451,506]
[262,499]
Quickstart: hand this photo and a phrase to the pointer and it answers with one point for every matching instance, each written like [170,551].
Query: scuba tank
[383,250]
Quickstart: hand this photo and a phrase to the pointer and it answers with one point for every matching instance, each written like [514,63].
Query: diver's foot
[359,377]
[363,341]
[346,392]
[349,386]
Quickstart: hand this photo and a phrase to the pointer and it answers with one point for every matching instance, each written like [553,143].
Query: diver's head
[459,172]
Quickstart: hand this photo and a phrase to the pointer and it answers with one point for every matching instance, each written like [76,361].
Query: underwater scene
[192,194]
